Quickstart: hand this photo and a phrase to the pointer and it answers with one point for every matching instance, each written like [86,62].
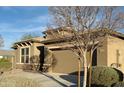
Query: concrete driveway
[48,79]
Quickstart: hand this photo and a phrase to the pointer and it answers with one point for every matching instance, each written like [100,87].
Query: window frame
[24,54]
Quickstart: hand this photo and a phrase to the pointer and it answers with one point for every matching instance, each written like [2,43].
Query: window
[25,55]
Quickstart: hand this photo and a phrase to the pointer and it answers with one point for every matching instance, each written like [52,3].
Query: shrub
[118,84]
[120,74]
[104,76]
[34,60]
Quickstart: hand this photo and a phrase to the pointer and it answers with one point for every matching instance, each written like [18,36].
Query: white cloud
[11,28]
[32,29]
[37,23]
[5,25]
[38,19]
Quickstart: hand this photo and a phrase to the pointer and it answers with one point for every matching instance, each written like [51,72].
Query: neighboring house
[110,54]
[8,55]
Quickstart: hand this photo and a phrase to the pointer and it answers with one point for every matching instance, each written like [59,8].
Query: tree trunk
[90,69]
[79,69]
[85,71]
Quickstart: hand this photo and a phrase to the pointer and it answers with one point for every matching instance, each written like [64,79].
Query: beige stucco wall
[67,62]
[107,53]
[102,54]
[36,51]
[115,44]
[32,51]
[17,56]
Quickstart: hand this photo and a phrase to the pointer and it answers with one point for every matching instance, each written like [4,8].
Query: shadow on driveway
[51,77]
[71,78]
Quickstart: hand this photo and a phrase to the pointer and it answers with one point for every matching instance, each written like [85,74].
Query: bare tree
[87,27]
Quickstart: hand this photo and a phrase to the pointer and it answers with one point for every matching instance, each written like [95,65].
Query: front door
[94,58]
[41,56]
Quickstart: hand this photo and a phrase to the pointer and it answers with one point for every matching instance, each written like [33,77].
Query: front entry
[94,58]
[41,56]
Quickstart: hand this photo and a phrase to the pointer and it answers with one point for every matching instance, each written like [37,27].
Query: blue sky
[16,21]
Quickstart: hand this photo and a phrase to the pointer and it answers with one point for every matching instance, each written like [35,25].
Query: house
[111,53]
[25,50]
[7,55]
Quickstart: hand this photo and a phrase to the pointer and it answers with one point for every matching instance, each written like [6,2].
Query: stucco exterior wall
[102,54]
[36,51]
[17,55]
[115,51]
[32,51]
[67,62]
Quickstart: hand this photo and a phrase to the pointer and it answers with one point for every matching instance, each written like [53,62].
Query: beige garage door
[67,62]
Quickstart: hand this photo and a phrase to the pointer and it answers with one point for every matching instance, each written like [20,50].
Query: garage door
[66,62]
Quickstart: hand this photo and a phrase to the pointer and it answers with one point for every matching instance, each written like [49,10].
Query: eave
[25,43]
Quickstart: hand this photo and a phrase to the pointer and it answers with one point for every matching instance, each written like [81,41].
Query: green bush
[104,76]
[118,84]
